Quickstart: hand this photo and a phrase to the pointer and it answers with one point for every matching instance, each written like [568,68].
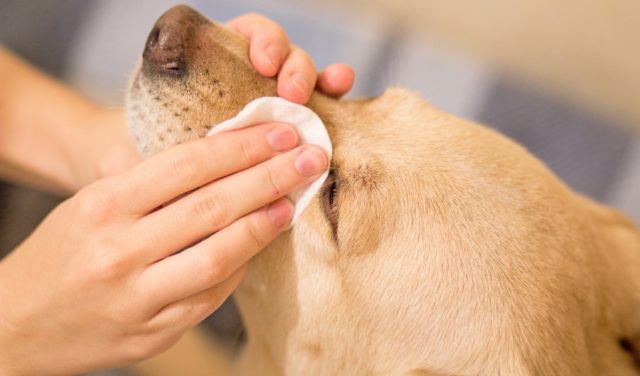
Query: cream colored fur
[448,250]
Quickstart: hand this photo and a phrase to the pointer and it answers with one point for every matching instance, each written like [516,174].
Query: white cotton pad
[310,130]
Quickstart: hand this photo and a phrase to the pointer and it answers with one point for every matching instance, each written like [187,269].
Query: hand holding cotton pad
[310,129]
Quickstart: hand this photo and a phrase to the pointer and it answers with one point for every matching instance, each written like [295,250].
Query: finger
[336,80]
[214,259]
[297,78]
[188,166]
[216,205]
[268,43]
[188,312]
[117,161]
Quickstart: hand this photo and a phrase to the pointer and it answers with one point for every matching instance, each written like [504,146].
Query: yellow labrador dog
[436,247]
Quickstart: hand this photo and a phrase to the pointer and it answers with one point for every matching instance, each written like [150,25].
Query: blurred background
[561,77]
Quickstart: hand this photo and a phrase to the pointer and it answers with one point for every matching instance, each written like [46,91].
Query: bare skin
[108,254]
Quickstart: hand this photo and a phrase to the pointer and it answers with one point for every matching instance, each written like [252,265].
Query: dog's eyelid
[330,201]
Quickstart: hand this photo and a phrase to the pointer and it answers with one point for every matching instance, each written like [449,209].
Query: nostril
[165,48]
[152,41]
[171,43]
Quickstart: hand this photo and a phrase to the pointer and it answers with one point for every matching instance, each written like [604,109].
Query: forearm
[44,135]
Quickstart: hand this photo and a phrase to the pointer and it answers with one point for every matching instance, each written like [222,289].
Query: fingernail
[280,212]
[298,80]
[282,138]
[311,161]
[273,56]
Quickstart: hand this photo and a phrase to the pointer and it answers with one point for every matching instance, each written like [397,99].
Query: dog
[436,246]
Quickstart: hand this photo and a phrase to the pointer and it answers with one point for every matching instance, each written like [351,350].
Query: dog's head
[435,244]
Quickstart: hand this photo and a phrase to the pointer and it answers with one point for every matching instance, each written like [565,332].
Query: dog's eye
[330,202]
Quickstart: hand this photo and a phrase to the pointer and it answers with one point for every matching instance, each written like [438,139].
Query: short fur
[437,247]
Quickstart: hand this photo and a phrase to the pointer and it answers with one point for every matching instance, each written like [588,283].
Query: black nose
[170,42]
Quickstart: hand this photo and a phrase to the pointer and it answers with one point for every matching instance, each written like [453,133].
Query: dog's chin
[156,119]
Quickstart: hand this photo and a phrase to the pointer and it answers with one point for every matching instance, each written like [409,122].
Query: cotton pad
[310,130]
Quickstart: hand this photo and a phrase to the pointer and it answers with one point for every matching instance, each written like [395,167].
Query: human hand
[272,55]
[101,282]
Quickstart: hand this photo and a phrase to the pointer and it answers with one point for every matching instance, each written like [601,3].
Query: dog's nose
[170,41]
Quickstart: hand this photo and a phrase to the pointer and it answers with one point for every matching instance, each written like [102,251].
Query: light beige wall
[587,50]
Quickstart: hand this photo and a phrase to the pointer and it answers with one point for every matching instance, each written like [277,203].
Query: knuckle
[274,182]
[189,310]
[185,164]
[212,209]
[281,35]
[266,27]
[111,264]
[123,316]
[255,227]
[248,151]
[214,269]
[274,33]
[95,203]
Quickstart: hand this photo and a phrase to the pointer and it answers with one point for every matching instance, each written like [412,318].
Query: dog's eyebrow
[363,177]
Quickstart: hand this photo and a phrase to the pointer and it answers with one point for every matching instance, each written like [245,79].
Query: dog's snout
[171,40]
[165,49]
